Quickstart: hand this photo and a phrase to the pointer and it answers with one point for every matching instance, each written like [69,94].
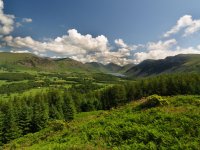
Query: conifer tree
[1,127]
[55,104]
[40,113]
[25,116]
[11,128]
[68,107]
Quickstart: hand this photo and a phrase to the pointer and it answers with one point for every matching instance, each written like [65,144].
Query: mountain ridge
[171,64]
[17,61]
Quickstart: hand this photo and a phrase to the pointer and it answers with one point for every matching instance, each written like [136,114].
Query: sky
[118,31]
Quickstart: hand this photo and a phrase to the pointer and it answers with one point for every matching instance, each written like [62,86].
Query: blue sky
[130,28]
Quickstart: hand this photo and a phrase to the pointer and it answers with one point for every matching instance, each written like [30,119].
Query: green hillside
[180,63]
[97,66]
[108,68]
[25,61]
[28,61]
[125,68]
[113,67]
[174,125]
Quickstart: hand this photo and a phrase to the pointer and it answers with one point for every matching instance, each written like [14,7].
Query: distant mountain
[28,61]
[113,67]
[174,64]
[109,68]
[97,66]
[125,68]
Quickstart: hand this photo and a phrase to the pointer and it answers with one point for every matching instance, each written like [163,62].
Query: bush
[153,101]
[57,125]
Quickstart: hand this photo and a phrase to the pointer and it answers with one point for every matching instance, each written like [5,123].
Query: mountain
[109,68]
[97,66]
[173,64]
[126,67]
[28,61]
[113,67]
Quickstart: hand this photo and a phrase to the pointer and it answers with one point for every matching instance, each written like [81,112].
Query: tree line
[16,76]
[28,114]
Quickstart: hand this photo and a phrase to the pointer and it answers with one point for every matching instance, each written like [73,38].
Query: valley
[50,103]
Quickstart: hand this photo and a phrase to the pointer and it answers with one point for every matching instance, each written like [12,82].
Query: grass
[2,82]
[33,91]
[172,126]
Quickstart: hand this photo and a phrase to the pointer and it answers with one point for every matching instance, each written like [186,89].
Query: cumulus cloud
[86,48]
[6,21]
[186,22]
[162,49]
[120,43]
[83,48]
[73,43]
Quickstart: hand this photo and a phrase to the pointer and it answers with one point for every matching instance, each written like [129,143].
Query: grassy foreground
[172,126]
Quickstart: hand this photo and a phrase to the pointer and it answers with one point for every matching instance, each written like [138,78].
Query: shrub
[153,101]
[57,125]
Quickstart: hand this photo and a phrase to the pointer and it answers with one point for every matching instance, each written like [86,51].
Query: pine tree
[25,116]
[11,128]
[68,108]
[40,113]
[55,104]
[1,127]
[117,95]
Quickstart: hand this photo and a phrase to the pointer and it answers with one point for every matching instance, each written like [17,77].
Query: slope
[108,68]
[172,126]
[179,63]
[28,61]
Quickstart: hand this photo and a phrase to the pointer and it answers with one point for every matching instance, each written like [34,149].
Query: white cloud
[68,45]
[161,50]
[18,24]
[86,48]
[27,20]
[160,45]
[194,27]
[186,22]
[83,48]
[120,43]
[19,51]
[6,21]
[158,50]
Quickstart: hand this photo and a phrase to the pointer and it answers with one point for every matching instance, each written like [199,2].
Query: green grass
[5,97]
[172,126]
[2,82]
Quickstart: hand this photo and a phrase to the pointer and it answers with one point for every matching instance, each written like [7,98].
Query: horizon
[105,32]
[60,58]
